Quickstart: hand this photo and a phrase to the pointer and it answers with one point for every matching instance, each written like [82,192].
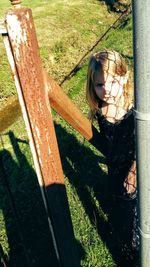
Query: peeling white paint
[48,146]
[37,131]
[40,107]
[49,150]
[40,161]
[27,16]
[38,141]
[39,153]
[17,33]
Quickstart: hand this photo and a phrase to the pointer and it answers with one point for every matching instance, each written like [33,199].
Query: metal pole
[141,43]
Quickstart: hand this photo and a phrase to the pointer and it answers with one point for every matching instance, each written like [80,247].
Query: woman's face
[108,88]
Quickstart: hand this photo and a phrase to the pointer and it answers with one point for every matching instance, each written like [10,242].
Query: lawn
[66,30]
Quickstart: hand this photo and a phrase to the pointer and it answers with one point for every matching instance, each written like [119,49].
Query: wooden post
[16,3]
[36,111]
[62,104]
[67,109]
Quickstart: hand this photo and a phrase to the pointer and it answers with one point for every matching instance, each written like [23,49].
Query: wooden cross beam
[23,54]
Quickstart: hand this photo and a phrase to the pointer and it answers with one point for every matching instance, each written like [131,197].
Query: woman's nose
[107,90]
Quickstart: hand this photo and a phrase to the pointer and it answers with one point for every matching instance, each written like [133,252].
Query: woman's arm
[130,182]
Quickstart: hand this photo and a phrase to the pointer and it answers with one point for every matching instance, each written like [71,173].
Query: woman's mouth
[109,97]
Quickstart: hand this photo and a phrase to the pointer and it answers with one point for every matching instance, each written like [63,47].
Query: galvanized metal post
[141,39]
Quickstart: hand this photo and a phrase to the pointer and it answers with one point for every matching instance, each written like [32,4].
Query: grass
[65,31]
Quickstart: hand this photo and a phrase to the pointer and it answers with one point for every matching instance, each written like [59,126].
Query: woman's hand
[130,182]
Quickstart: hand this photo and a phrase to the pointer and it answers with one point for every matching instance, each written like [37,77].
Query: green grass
[65,31]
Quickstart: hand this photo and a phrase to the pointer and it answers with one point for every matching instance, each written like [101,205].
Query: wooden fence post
[35,106]
[64,106]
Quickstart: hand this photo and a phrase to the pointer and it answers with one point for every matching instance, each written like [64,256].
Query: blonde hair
[110,62]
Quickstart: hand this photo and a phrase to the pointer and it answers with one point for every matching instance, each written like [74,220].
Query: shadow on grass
[29,238]
[82,167]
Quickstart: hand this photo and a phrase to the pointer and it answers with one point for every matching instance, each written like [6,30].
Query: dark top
[119,149]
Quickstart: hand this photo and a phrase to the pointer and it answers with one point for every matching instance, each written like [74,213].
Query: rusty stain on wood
[58,99]
[31,139]
[27,58]
[63,105]
[25,50]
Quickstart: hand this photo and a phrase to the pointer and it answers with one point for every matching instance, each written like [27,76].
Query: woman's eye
[99,84]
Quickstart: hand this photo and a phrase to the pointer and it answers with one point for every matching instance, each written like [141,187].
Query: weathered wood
[67,109]
[16,3]
[29,131]
[62,104]
[42,134]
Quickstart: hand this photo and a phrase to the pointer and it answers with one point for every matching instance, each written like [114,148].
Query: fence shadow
[82,167]
[30,241]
